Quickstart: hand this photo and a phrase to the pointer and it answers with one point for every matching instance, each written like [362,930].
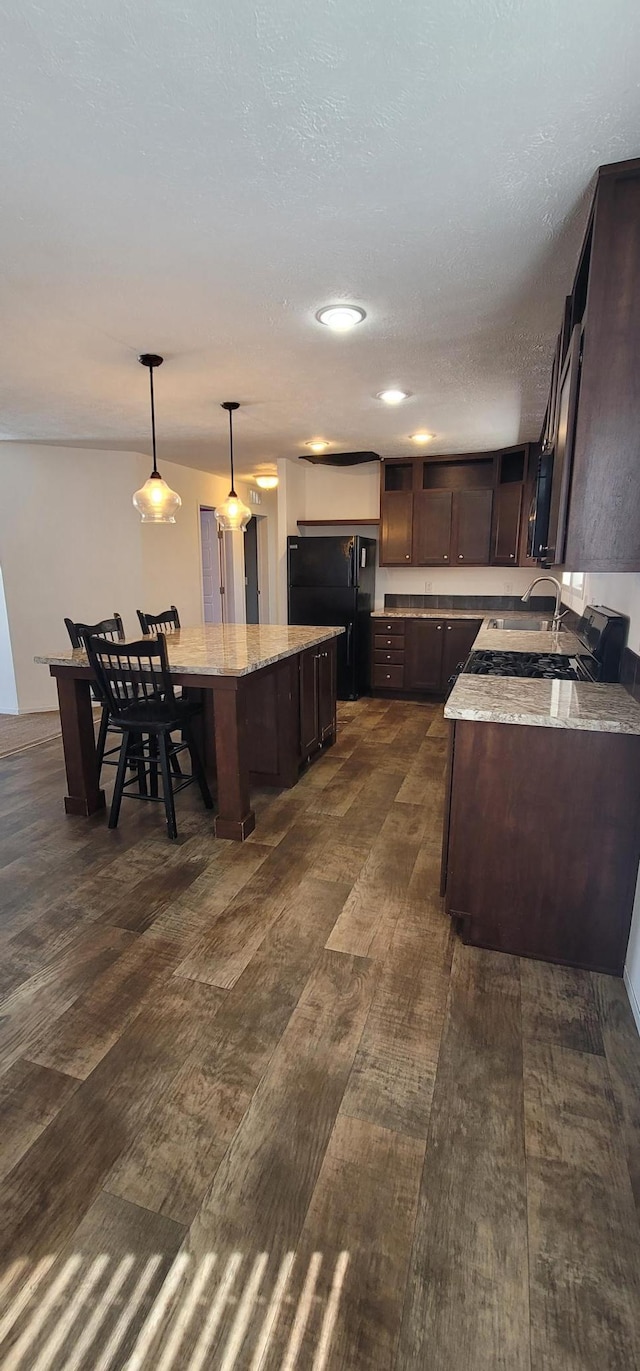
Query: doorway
[251,576]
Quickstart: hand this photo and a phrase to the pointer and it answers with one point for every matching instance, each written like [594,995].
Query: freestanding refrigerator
[332,581]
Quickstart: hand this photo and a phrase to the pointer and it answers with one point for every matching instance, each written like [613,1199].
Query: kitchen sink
[523,625]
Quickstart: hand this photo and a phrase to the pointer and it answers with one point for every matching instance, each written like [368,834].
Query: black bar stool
[168,621]
[113,629]
[139,690]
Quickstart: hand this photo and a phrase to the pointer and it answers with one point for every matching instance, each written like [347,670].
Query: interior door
[211,569]
[251,589]
[472,513]
[423,654]
[432,512]
[396,525]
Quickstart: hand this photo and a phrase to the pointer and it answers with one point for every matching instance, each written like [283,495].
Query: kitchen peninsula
[269,706]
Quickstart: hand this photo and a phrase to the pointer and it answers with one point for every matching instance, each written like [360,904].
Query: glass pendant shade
[232,515]
[155,502]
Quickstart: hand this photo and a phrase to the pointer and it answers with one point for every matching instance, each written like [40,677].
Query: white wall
[72,544]
[318,492]
[8,692]
[620,591]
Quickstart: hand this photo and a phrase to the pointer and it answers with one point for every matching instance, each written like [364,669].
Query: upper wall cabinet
[592,426]
[460,510]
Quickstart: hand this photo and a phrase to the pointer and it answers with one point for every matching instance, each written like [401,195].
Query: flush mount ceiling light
[232,514]
[341,318]
[317,444]
[392,396]
[267,482]
[155,502]
[421,437]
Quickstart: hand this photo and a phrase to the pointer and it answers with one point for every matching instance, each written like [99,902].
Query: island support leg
[79,743]
[235,817]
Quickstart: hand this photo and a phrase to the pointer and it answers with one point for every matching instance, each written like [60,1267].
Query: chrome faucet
[557,616]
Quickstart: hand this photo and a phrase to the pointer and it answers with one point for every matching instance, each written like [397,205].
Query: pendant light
[232,514]
[155,502]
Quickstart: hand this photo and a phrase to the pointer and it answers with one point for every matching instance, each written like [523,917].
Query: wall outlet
[508,587]
[428,587]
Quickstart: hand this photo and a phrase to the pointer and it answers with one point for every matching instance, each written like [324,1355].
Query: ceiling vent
[339,459]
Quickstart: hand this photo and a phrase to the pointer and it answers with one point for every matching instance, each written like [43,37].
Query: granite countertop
[544,704]
[561,642]
[433,614]
[222,649]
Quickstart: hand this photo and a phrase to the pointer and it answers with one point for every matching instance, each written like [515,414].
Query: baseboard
[633,999]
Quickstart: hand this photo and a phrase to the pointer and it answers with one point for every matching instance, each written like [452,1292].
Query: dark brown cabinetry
[592,421]
[417,656]
[461,510]
[433,511]
[396,528]
[509,506]
[553,872]
[423,654]
[317,697]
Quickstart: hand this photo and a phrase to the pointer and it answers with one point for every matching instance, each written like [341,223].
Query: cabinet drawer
[388,677]
[384,658]
[383,642]
[395,626]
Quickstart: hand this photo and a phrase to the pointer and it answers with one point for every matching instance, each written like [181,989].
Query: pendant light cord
[153,423]
[233,489]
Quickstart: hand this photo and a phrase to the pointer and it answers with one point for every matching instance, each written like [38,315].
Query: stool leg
[197,767]
[153,765]
[167,787]
[120,779]
[102,737]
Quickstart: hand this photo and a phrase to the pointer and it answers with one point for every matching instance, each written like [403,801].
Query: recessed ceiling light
[393,397]
[340,318]
[317,444]
[421,437]
[267,482]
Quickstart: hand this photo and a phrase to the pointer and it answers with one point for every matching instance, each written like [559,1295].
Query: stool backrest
[131,673]
[106,628]
[168,621]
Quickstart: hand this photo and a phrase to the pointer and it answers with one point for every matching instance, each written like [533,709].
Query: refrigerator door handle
[351,578]
[349,641]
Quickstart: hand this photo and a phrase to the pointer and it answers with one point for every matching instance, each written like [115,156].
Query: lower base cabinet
[317,698]
[417,656]
[542,841]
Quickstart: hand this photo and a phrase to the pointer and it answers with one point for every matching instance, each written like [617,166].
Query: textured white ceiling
[197,178]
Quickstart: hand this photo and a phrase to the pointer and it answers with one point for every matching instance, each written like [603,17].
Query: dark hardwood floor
[261,1110]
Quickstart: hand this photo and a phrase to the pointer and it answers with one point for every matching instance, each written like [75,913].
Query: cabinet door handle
[448,628]
[439,628]
[445,558]
[407,556]
[512,555]
[461,556]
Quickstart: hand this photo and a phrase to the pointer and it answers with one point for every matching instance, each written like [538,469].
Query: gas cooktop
[534,665]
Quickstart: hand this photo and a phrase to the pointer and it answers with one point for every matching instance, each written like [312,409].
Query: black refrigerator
[332,581]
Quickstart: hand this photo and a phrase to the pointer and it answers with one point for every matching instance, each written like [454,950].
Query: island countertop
[222,649]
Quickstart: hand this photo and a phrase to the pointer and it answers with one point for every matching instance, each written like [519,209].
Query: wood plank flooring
[260,1110]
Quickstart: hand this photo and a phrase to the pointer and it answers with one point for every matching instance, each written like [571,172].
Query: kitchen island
[269,706]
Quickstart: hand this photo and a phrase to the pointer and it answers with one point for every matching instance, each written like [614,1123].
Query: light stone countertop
[434,614]
[222,649]
[544,704]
